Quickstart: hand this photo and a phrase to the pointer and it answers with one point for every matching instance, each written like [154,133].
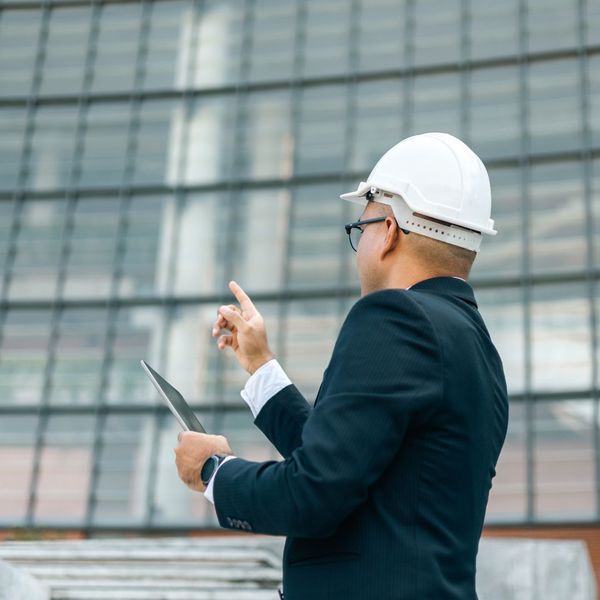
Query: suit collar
[450,286]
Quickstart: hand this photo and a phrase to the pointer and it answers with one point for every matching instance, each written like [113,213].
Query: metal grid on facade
[152,151]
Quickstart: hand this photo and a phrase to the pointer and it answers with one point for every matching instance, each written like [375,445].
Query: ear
[392,238]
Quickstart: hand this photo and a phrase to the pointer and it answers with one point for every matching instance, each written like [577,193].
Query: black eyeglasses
[354,230]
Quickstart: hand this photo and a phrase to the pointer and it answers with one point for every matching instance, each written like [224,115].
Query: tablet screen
[179,407]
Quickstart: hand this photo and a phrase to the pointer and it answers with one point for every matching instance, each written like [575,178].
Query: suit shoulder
[393,300]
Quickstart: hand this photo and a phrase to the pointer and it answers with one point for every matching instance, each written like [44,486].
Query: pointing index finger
[242,297]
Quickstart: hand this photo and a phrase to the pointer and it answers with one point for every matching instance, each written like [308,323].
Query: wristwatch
[209,467]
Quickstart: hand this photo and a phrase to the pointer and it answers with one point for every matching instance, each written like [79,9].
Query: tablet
[179,407]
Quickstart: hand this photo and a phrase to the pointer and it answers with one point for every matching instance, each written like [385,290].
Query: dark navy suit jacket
[383,489]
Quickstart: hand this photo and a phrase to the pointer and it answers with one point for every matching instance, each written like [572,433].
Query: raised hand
[248,334]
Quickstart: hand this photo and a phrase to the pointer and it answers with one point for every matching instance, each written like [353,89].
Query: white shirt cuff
[208,492]
[263,384]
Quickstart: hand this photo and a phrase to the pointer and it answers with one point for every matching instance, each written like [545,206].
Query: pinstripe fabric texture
[385,481]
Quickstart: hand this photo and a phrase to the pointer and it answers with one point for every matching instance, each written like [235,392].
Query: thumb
[232,316]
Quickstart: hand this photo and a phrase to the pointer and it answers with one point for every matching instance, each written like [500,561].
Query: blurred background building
[152,151]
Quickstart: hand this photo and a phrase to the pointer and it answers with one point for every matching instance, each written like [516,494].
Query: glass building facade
[152,151]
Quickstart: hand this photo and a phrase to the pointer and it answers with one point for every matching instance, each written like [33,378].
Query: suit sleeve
[282,419]
[384,373]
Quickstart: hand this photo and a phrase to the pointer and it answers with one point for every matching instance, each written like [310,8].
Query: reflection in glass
[317,237]
[273,40]
[117,47]
[53,147]
[564,475]
[66,47]
[495,113]
[12,135]
[381,43]
[267,144]
[121,488]
[322,137]
[554,105]
[93,247]
[19,30]
[105,148]
[76,377]
[502,254]
[312,327]
[557,228]
[38,249]
[17,440]
[508,496]
[378,121]
[24,353]
[503,313]
[561,342]
[326,31]
[65,469]
[138,335]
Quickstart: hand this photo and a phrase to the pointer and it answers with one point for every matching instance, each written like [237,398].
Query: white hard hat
[433,175]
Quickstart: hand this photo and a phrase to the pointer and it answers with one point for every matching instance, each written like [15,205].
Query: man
[383,490]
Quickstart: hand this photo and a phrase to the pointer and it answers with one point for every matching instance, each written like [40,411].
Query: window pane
[53,147]
[219,43]
[17,438]
[210,135]
[502,254]
[326,31]
[12,132]
[93,247]
[66,48]
[138,335]
[117,47]
[260,235]
[121,488]
[564,460]
[561,338]
[312,327]
[436,104]
[552,25]
[593,76]
[38,249]
[157,141]
[65,469]
[201,246]
[378,121]
[317,237]
[381,40]
[25,339]
[437,35]
[105,148]
[503,313]
[147,246]
[168,41]
[557,229]
[192,353]
[554,106]
[19,30]
[322,137]
[495,126]
[79,352]
[273,40]
[494,28]
[508,496]
[8,210]
[267,145]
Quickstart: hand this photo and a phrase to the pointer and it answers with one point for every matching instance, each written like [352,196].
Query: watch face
[208,469]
